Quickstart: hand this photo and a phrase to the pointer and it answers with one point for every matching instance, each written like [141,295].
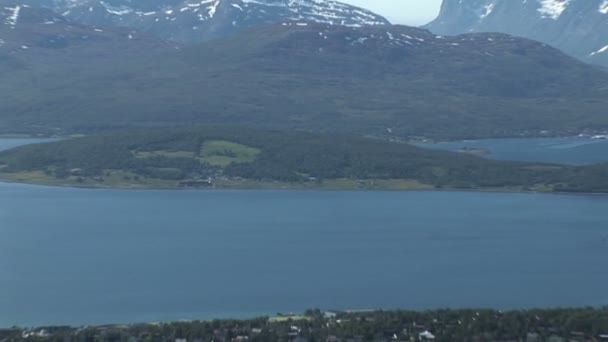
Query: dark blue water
[76,256]
[94,256]
[575,151]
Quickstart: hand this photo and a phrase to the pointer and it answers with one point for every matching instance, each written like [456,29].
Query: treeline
[587,324]
[293,157]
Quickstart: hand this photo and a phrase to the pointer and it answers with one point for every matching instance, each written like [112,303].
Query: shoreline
[295,187]
[121,180]
[279,317]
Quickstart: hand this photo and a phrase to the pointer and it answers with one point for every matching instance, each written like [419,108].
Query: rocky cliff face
[578,27]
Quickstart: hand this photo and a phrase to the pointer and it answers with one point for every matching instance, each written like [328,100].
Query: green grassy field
[112,179]
[223,153]
[218,153]
[127,180]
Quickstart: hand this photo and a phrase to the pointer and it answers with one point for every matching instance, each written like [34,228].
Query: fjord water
[574,151]
[6,144]
[79,256]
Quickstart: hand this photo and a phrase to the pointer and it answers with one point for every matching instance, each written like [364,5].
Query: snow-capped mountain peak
[14,15]
[579,27]
[31,29]
[199,20]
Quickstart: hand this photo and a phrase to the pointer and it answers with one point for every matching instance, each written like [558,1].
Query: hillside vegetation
[554,325]
[391,82]
[231,157]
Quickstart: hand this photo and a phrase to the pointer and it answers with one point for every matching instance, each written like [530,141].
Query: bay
[84,256]
[574,151]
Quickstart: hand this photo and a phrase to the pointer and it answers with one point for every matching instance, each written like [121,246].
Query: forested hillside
[237,157]
[386,81]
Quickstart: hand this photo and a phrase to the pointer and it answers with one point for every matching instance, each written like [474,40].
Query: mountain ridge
[193,21]
[393,82]
[578,27]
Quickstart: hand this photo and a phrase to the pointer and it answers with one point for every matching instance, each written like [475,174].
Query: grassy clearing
[330,184]
[373,184]
[33,177]
[163,153]
[126,180]
[400,184]
[111,179]
[123,179]
[223,153]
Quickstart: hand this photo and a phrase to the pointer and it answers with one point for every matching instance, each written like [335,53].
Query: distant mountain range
[380,80]
[191,21]
[23,26]
[578,27]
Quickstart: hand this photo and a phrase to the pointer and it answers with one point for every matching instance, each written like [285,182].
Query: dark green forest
[213,156]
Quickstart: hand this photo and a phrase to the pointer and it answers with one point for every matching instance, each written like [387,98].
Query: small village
[560,325]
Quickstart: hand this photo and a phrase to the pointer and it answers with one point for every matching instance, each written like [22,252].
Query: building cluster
[355,326]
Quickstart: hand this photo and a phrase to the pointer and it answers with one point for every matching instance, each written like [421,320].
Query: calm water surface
[74,256]
[575,151]
[6,144]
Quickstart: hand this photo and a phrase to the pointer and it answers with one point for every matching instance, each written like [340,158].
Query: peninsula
[221,157]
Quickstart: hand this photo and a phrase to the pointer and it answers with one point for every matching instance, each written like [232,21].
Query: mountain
[23,28]
[389,81]
[189,21]
[578,27]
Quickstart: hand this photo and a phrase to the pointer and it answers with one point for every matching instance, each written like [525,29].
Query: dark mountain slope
[392,81]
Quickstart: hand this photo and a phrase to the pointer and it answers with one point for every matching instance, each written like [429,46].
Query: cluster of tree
[175,154]
[443,325]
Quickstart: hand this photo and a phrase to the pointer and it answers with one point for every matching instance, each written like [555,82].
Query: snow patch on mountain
[577,27]
[398,38]
[213,8]
[193,21]
[604,49]
[320,11]
[13,15]
[488,10]
[553,8]
[604,7]
[121,10]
